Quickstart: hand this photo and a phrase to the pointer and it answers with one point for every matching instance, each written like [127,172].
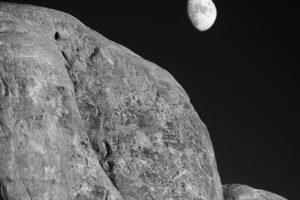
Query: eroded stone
[244,192]
[85,118]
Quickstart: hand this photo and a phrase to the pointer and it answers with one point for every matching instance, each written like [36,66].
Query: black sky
[241,75]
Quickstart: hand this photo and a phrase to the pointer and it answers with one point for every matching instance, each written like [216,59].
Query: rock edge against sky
[82,117]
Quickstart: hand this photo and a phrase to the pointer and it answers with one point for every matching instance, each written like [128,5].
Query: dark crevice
[6,88]
[73,79]
[84,144]
[108,150]
[110,165]
[65,56]
[95,52]
[95,146]
[56,36]
[99,113]
[113,179]
[110,171]
[157,97]
[68,66]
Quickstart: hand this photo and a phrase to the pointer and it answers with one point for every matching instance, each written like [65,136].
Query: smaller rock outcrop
[244,192]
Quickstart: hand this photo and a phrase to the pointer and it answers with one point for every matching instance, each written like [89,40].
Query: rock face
[84,118]
[243,192]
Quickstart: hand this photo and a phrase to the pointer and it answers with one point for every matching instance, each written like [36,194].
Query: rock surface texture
[244,192]
[84,118]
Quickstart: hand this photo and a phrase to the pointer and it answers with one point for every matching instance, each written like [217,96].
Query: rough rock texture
[243,192]
[84,118]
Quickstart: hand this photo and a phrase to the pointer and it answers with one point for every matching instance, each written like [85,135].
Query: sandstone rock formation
[84,118]
[243,192]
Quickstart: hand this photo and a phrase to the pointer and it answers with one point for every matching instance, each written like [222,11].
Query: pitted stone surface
[82,117]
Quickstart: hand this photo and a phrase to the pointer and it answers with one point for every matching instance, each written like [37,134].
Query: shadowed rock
[84,118]
[243,192]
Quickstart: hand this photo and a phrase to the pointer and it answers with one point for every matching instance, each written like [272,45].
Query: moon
[202,13]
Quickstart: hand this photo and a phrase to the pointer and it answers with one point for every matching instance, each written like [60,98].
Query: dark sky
[241,75]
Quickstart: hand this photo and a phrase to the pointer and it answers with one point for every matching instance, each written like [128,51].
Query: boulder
[84,118]
[244,192]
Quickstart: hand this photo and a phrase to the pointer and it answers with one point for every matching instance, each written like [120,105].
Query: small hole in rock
[95,52]
[56,36]
[83,144]
[111,165]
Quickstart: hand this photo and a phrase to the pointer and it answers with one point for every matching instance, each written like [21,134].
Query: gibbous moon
[202,13]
